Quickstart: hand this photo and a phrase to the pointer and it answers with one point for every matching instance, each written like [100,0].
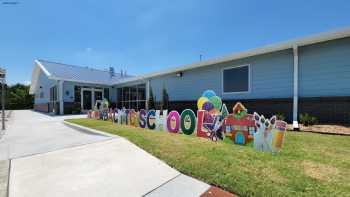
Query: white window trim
[249,79]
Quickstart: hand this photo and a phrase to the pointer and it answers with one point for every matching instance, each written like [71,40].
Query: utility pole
[3,81]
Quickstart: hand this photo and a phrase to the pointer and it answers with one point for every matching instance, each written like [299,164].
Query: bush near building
[17,97]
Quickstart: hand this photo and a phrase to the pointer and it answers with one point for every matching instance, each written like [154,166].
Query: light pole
[3,81]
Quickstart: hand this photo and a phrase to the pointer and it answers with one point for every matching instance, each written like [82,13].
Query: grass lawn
[310,164]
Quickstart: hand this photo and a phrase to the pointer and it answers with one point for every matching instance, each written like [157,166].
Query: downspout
[147,92]
[295,84]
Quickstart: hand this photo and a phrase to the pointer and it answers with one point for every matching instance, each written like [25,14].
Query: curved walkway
[50,158]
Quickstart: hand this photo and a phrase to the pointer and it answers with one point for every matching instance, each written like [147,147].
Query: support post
[295,92]
[60,87]
[3,104]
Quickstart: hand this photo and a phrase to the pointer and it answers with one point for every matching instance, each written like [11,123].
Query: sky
[142,36]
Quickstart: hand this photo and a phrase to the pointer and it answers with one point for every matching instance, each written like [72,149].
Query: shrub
[151,99]
[308,120]
[165,99]
[280,116]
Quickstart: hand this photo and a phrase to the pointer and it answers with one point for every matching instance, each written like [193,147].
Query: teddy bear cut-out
[263,137]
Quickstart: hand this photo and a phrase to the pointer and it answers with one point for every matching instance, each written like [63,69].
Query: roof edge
[308,40]
[81,81]
[43,68]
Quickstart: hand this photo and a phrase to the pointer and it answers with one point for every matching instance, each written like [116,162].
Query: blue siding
[271,77]
[325,69]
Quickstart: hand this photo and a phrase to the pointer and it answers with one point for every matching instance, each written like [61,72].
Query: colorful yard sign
[213,121]
[151,119]
[270,134]
[278,134]
[209,122]
[142,118]
[263,136]
[188,122]
[161,119]
[240,125]
[173,122]
[132,118]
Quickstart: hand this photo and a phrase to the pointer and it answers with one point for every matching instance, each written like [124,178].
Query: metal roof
[66,72]
[313,39]
[59,71]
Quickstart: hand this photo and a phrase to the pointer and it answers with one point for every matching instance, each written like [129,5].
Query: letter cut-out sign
[161,120]
[173,122]
[213,122]
[188,122]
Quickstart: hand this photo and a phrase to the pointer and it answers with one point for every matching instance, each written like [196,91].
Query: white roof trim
[80,81]
[35,76]
[42,68]
[317,38]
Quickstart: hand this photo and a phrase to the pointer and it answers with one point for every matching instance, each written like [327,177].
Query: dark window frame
[136,96]
[233,67]
[106,93]
[77,93]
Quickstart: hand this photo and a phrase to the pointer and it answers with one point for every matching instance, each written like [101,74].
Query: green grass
[310,164]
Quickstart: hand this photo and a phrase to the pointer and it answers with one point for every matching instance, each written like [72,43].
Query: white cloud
[27,82]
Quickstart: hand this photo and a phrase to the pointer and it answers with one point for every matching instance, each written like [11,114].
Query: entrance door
[87,97]
[98,96]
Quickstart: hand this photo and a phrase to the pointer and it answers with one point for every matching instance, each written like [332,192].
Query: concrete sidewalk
[4,175]
[114,167]
[51,158]
[31,132]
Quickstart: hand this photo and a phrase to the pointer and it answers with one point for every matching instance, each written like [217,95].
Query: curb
[88,130]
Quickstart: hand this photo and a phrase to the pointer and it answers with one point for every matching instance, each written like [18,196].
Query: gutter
[313,39]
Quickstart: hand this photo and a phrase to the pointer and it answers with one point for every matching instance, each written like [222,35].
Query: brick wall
[326,109]
[42,107]
[72,107]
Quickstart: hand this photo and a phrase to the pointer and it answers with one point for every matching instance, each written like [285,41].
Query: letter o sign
[188,121]
[173,116]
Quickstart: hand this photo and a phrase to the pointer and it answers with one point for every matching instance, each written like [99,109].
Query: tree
[151,104]
[165,99]
[18,97]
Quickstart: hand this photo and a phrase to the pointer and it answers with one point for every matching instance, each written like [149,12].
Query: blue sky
[144,36]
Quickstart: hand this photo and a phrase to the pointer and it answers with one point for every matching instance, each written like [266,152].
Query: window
[53,94]
[235,79]
[133,97]
[77,96]
[106,93]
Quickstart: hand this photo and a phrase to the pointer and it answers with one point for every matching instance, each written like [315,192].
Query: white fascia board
[80,81]
[322,37]
[34,81]
[47,73]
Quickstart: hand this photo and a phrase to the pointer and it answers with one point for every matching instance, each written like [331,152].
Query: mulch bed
[325,129]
